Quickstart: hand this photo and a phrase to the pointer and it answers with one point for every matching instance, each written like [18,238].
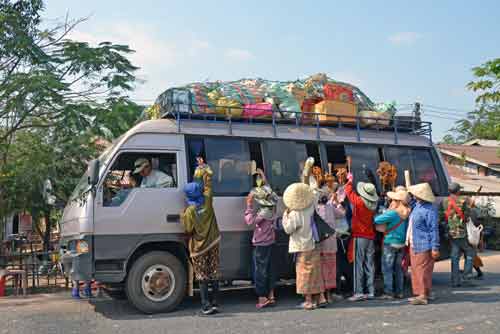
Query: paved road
[466,310]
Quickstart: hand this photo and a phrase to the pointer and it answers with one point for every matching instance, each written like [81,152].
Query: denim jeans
[264,270]
[364,267]
[459,246]
[392,270]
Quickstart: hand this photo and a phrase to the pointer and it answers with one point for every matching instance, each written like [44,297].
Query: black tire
[116,293]
[133,286]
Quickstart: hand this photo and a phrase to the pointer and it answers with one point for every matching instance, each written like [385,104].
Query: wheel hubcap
[158,282]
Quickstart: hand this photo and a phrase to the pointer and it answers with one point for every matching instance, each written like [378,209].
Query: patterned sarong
[308,273]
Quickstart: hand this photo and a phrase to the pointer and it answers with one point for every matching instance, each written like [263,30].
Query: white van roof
[279,131]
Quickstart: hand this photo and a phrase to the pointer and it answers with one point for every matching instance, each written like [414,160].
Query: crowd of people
[407,217]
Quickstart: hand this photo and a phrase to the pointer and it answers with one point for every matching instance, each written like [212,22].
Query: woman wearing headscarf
[201,225]
[395,220]
[263,218]
[364,205]
[300,200]
[423,239]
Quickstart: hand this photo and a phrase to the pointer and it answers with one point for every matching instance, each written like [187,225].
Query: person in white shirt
[152,178]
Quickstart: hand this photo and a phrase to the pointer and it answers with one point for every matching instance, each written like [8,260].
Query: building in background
[476,166]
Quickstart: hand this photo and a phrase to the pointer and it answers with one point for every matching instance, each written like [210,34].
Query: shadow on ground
[243,301]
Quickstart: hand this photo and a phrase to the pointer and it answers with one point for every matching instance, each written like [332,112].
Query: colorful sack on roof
[200,101]
[228,107]
[314,85]
[334,91]
[287,97]
[258,110]
[374,119]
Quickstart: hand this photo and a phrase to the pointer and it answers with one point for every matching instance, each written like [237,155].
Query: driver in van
[151,178]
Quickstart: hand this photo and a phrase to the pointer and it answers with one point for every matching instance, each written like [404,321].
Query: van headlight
[82,247]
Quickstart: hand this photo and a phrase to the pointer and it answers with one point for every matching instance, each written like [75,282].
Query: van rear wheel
[156,282]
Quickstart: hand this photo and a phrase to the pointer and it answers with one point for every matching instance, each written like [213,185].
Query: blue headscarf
[194,194]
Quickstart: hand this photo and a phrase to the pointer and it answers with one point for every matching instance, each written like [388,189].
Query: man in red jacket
[364,204]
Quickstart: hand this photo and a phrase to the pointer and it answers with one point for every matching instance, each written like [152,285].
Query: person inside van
[122,194]
[151,178]
[201,226]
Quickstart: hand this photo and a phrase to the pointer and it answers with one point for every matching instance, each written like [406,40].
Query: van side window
[335,155]
[401,158]
[138,170]
[424,169]
[284,162]
[196,148]
[419,162]
[365,160]
[230,162]
[312,150]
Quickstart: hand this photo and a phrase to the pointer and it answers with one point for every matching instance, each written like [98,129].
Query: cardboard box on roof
[336,111]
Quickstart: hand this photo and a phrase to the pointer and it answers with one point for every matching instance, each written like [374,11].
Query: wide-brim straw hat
[367,191]
[423,191]
[399,195]
[298,196]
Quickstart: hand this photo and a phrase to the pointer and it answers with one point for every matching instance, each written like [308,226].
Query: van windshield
[83,184]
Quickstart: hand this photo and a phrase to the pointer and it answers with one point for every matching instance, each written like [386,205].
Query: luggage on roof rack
[315,101]
[408,125]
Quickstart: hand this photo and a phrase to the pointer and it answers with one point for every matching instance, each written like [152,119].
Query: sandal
[263,305]
[323,305]
[307,306]
[272,301]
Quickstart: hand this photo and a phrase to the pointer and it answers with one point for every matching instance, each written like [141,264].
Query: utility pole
[417,116]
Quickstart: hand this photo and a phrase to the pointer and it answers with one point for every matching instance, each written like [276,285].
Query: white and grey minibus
[133,237]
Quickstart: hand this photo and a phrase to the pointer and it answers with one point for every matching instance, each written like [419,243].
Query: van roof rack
[397,124]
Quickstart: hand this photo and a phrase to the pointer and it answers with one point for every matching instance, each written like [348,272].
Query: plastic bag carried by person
[473,233]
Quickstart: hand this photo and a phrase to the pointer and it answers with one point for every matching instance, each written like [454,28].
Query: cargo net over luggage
[316,100]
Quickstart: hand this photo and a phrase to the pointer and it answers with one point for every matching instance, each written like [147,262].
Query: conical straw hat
[298,196]
[423,191]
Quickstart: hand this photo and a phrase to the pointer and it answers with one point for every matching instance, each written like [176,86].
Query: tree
[484,122]
[47,79]
[487,83]
[58,97]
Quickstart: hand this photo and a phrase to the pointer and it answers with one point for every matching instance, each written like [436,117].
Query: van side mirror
[93,172]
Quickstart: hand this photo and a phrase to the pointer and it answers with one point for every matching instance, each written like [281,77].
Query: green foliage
[488,82]
[484,122]
[46,78]
[57,98]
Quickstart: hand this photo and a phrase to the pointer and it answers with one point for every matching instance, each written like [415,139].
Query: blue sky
[405,51]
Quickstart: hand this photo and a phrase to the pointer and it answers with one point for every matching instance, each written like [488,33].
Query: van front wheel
[156,282]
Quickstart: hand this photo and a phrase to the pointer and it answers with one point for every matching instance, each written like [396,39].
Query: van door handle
[173,218]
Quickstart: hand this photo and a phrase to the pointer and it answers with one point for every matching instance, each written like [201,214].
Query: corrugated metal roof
[484,154]
[483,142]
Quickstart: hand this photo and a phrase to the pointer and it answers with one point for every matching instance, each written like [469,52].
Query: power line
[446,108]
[448,112]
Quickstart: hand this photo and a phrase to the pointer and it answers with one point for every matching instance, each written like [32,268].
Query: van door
[130,207]
[365,161]
[284,162]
